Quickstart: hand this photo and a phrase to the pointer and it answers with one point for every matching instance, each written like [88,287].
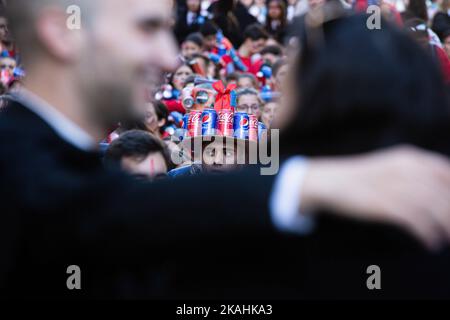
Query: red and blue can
[209,122]
[253,128]
[241,125]
[195,124]
[225,123]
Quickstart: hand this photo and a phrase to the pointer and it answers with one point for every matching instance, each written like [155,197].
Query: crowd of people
[244,69]
[248,44]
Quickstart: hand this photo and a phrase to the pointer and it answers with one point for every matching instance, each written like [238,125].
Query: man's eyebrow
[154,21]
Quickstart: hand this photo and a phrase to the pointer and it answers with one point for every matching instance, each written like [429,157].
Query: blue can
[261,129]
[185,121]
[222,50]
[209,122]
[241,125]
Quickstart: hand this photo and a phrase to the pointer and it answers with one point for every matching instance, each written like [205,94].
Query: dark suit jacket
[200,237]
[60,207]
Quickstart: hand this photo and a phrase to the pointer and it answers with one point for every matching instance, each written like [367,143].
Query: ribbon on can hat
[223,98]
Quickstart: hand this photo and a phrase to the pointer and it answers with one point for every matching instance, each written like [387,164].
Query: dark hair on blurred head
[360,90]
[135,144]
[283,8]
[209,28]
[196,38]
[275,50]
[418,9]
[255,32]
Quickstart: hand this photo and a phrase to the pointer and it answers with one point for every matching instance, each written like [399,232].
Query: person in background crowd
[441,20]
[218,155]
[232,78]
[279,73]
[177,81]
[247,81]
[291,9]
[255,40]
[206,65]
[248,101]
[419,31]
[189,19]
[269,112]
[209,32]
[154,121]
[6,41]
[180,75]
[193,44]
[271,54]
[259,11]
[7,67]
[231,16]
[276,21]
[417,9]
[139,153]
[7,63]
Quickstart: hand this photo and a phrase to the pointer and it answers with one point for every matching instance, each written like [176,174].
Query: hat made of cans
[222,120]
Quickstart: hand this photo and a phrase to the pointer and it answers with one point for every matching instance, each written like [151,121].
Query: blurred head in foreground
[355,90]
[107,64]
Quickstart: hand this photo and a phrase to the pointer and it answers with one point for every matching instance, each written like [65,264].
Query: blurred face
[270,58]
[180,76]
[245,83]
[249,103]
[123,54]
[275,12]
[268,114]
[193,5]
[216,155]
[280,77]
[313,4]
[210,42]
[447,46]
[151,166]
[189,48]
[4,32]
[8,64]
[152,122]
[256,45]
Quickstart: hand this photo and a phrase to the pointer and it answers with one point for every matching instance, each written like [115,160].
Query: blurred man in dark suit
[60,207]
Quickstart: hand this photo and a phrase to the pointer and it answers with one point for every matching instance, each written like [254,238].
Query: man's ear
[55,36]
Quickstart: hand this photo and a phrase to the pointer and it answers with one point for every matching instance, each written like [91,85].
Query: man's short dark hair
[275,50]
[196,38]
[136,144]
[255,32]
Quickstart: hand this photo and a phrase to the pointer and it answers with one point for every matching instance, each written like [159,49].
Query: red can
[194,126]
[225,123]
[253,129]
